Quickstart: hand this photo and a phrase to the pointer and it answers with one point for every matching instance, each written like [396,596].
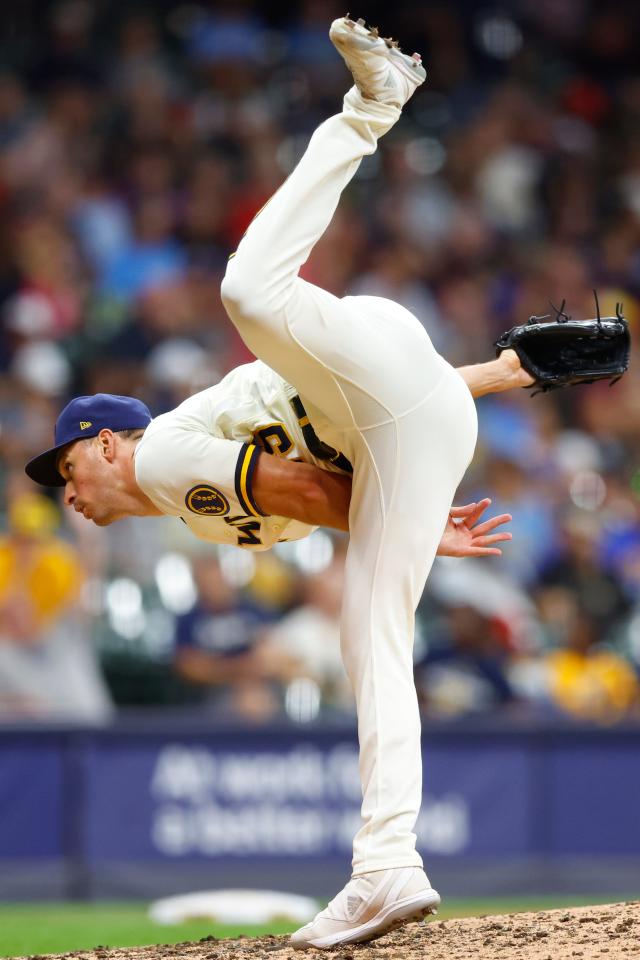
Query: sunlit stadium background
[175,717]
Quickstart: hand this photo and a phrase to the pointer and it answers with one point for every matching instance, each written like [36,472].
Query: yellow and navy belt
[317,447]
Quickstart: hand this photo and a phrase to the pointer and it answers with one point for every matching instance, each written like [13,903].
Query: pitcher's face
[91,486]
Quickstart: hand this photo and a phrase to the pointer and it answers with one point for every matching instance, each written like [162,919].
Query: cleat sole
[370,40]
[382,924]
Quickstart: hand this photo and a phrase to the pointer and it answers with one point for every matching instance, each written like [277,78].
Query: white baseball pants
[407,422]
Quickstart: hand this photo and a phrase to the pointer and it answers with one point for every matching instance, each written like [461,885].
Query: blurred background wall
[136,143]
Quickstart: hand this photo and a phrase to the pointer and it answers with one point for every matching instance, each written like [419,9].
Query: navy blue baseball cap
[86,417]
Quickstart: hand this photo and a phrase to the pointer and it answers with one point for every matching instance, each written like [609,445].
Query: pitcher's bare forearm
[495,376]
[301,491]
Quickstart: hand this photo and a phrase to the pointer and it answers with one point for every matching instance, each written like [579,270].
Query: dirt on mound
[609,932]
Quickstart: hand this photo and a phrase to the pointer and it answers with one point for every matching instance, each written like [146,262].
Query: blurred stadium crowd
[136,144]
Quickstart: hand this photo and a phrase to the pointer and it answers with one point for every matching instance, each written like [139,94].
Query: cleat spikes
[379,68]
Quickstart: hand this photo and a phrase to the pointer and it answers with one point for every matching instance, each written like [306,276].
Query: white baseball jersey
[197,461]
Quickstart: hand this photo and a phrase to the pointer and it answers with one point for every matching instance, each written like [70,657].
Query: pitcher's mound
[610,932]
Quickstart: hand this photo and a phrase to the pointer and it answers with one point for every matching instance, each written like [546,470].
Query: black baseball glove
[564,352]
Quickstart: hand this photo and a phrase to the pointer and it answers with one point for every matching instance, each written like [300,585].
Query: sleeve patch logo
[206,501]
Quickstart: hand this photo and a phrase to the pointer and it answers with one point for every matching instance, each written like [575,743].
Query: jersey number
[249,529]
[274,439]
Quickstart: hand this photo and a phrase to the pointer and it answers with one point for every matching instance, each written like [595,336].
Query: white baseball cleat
[380,70]
[370,905]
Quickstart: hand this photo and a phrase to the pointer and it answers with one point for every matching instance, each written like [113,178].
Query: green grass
[60,927]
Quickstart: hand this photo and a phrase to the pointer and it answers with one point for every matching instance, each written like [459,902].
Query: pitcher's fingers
[475,515]
[491,524]
[464,511]
[494,538]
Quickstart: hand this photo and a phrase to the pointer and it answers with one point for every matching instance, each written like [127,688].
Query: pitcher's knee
[233,289]
[243,294]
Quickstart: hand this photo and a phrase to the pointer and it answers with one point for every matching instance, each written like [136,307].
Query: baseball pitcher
[349,419]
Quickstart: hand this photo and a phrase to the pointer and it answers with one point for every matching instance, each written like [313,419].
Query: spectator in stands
[310,636]
[48,670]
[219,647]
[599,595]
[583,677]
[463,670]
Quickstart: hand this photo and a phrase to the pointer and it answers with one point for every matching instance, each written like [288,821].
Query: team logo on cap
[85,424]
[206,501]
